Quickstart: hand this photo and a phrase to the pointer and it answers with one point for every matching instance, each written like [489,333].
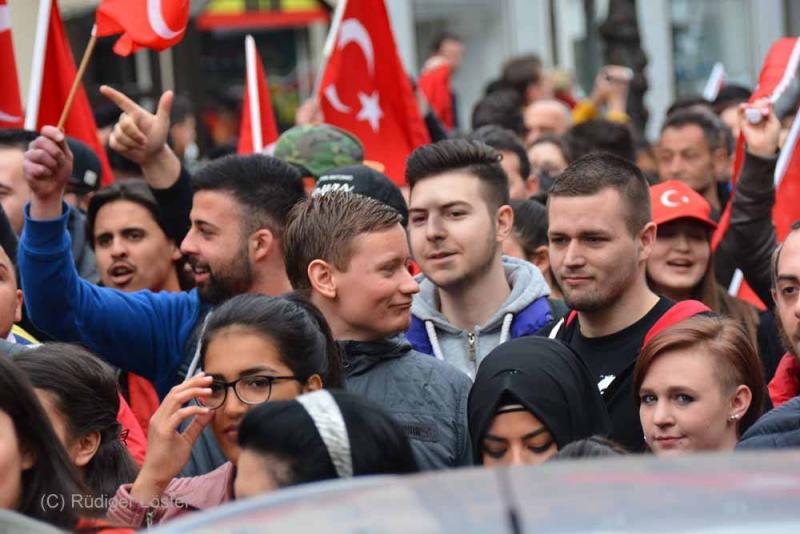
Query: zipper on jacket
[471,343]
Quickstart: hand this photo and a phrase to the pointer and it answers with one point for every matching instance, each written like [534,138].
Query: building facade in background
[682,40]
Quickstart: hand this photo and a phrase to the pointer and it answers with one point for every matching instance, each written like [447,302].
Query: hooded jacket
[525,312]
[426,397]
[549,380]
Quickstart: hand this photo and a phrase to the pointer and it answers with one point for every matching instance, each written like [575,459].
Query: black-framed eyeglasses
[250,389]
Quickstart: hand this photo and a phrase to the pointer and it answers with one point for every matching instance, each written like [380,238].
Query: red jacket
[435,85]
[786,382]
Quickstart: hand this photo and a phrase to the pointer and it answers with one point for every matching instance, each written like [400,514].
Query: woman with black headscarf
[531,397]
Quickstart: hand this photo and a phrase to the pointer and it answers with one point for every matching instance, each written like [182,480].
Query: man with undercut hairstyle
[471,298]
[349,255]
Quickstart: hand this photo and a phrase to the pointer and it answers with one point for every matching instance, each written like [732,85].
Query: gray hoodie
[524,312]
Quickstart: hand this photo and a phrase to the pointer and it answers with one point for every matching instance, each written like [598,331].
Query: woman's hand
[168,449]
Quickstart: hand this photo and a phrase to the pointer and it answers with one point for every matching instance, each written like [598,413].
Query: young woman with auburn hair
[699,385]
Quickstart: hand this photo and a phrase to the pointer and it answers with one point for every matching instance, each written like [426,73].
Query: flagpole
[252,94]
[327,50]
[87,54]
[37,65]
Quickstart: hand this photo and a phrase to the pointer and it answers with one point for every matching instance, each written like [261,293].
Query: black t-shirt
[611,359]
[608,356]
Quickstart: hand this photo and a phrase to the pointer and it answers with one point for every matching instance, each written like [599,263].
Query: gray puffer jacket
[427,397]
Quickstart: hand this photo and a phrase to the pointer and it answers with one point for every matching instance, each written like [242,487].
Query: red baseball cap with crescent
[674,199]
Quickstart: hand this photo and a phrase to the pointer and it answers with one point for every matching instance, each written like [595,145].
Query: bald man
[546,116]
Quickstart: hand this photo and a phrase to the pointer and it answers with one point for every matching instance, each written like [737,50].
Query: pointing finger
[121,100]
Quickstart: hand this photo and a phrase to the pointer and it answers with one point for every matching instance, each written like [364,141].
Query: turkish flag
[779,73]
[366,91]
[258,129]
[10,103]
[50,87]
[156,24]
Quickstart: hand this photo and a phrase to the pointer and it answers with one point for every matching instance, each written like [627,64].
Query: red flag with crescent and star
[53,78]
[779,74]
[156,24]
[366,91]
[10,102]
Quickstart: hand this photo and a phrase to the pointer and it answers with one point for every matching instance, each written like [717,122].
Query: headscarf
[548,379]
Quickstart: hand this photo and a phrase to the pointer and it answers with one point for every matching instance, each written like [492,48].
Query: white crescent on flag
[336,102]
[354,32]
[158,23]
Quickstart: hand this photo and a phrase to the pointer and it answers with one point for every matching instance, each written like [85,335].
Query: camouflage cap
[319,148]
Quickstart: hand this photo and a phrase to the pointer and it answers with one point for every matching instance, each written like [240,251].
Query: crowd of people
[543,287]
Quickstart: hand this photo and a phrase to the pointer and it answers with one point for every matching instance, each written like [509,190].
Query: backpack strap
[680,311]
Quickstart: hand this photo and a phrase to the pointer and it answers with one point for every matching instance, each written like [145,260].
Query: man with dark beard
[780,428]
[601,233]
[234,246]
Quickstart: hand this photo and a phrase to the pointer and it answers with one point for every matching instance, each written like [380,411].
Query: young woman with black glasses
[254,349]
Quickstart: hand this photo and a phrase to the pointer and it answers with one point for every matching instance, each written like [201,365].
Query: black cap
[365,181]
[86,168]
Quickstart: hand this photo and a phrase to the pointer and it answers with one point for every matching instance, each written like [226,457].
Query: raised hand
[761,137]
[47,167]
[139,135]
[168,450]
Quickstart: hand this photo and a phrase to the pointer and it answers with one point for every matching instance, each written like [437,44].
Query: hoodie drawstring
[434,339]
[505,332]
[554,332]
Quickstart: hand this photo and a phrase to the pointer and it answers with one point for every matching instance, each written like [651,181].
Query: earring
[733,417]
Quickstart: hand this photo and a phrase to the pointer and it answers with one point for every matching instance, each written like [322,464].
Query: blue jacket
[777,429]
[143,332]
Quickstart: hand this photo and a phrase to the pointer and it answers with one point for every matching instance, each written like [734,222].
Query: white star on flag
[370,110]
